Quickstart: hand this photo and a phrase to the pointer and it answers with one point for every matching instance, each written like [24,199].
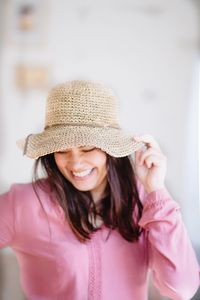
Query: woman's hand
[150,164]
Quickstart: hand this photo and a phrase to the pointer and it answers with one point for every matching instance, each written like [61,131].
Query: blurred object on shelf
[31,76]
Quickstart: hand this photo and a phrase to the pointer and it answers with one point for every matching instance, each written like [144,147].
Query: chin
[83,189]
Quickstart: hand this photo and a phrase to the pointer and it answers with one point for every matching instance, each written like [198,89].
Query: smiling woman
[101,218]
[85,168]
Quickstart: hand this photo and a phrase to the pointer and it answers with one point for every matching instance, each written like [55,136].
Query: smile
[82,174]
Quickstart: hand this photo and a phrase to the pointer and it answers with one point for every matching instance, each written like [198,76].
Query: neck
[98,194]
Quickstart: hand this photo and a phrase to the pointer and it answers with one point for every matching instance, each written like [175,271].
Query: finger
[148,139]
[148,152]
[153,160]
[138,155]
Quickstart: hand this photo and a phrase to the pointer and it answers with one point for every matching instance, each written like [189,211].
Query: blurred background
[148,51]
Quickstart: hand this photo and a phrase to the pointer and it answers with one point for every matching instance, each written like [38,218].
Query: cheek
[100,160]
[57,159]
[60,162]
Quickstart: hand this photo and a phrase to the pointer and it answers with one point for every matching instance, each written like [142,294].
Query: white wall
[146,50]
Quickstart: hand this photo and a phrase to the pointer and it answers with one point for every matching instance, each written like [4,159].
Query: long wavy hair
[120,209]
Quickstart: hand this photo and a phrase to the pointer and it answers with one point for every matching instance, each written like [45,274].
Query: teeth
[83,173]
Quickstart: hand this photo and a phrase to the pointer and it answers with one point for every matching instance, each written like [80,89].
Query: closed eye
[88,150]
[62,152]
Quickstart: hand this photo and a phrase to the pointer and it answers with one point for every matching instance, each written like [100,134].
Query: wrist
[153,189]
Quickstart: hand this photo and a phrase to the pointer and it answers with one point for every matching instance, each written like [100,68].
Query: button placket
[94,252]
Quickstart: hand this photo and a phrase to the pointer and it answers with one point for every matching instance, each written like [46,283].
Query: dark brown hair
[120,209]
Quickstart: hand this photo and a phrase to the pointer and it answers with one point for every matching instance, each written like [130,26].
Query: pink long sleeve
[6,220]
[172,259]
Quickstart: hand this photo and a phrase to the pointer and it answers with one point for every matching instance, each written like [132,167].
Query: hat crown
[80,113]
[81,102]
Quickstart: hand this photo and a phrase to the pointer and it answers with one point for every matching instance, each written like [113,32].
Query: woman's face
[85,168]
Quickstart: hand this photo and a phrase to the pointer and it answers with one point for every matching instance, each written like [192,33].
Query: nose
[75,161]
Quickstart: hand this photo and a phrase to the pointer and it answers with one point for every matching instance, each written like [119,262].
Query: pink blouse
[54,265]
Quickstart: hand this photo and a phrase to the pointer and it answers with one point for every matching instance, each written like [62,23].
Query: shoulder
[21,188]
[17,189]
[23,191]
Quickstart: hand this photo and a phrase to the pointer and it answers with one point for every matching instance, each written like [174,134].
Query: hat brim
[114,142]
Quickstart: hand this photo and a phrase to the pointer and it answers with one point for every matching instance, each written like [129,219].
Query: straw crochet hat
[80,113]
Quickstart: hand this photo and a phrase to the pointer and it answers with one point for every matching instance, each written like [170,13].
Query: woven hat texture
[80,113]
